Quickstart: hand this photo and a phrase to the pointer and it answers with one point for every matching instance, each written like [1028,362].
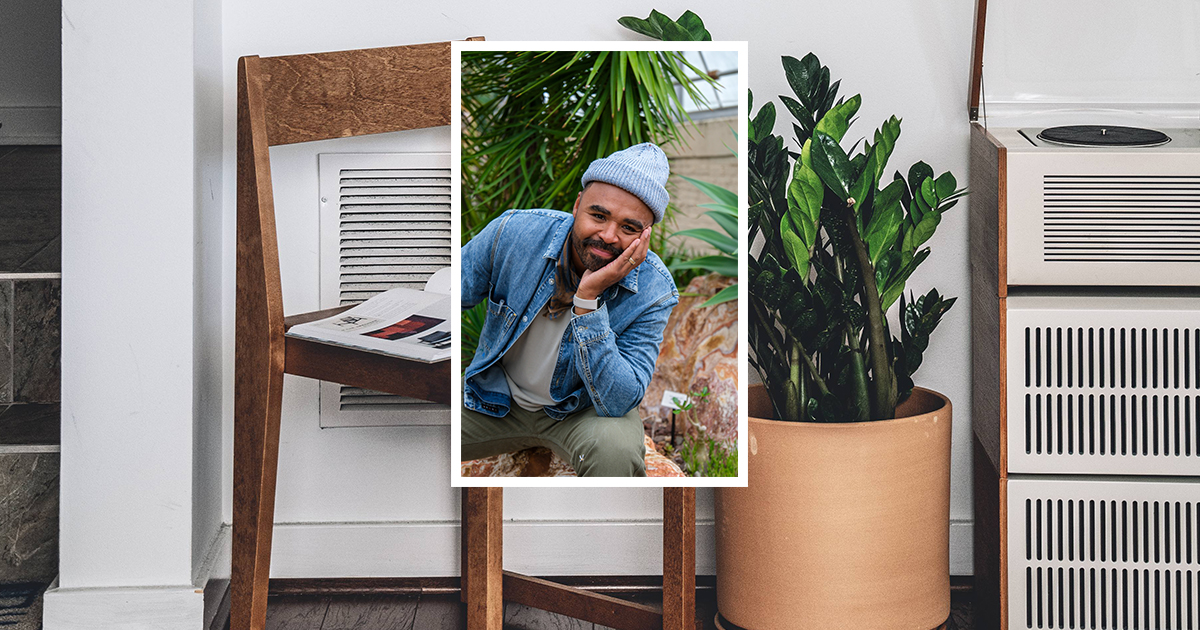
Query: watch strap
[588,304]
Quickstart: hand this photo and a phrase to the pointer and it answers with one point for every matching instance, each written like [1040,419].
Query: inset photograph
[599,205]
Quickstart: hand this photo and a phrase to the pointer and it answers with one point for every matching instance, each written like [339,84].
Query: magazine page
[399,322]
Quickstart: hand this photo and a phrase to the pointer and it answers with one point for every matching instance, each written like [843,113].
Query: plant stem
[883,382]
[812,369]
[793,384]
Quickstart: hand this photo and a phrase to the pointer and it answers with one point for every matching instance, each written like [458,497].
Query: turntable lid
[1044,55]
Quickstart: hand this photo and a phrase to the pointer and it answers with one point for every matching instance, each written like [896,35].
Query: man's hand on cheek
[593,283]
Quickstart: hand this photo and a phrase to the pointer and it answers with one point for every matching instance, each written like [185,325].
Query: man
[576,307]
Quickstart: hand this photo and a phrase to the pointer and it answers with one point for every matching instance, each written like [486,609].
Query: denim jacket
[606,357]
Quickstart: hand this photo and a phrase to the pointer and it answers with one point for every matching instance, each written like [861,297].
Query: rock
[542,462]
[699,350]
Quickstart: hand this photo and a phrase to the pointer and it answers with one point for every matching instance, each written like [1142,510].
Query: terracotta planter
[841,525]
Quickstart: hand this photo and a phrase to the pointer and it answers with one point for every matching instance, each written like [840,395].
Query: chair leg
[255,460]
[679,558]
[482,575]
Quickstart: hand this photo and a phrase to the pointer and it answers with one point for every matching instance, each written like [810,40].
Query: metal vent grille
[1121,218]
[1090,393]
[1104,554]
[385,223]
[394,226]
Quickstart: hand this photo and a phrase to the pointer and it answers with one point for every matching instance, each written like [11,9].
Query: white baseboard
[31,125]
[134,608]
[172,607]
[962,555]
[431,549]
[213,576]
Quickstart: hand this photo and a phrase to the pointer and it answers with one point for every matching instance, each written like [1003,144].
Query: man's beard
[591,261]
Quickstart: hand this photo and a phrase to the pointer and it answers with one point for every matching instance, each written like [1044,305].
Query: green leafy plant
[533,121]
[837,250]
[724,212]
[700,454]
[688,28]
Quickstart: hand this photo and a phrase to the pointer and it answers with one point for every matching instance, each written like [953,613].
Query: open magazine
[398,322]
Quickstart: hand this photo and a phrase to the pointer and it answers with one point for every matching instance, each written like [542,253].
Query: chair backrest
[302,98]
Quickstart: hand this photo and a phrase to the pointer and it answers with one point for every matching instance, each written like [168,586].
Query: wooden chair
[303,98]
[284,100]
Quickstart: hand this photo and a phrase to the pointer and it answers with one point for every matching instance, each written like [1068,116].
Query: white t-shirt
[529,363]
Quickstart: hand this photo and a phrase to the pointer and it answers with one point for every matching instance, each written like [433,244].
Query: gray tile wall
[28,517]
[36,348]
[6,333]
[30,323]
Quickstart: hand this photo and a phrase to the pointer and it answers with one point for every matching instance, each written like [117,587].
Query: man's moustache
[601,245]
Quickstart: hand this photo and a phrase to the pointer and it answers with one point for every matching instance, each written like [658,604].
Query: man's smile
[601,252]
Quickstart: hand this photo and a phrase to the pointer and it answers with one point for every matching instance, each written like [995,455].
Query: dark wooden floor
[442,611]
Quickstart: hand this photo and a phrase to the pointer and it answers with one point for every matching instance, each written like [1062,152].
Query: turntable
[1085,315]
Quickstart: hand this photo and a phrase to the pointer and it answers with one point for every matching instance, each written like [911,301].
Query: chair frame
[303,98]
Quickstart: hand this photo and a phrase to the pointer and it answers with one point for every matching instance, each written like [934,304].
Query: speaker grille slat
[1121,218]
[1104,554]
[1106,388]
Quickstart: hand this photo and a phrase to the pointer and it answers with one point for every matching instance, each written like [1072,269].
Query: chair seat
[359,368]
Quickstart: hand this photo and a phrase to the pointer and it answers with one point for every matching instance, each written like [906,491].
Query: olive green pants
[595,446]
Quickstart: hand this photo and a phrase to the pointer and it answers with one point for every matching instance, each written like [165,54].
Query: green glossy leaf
[925,229]
[641,27]
[793,244]
[837,120]
[722,242]
[831,164]
[804,196]
[928,194]
[715,192]
[896,287]
[945,185]
[885,222]
[918,173]
[694,26]
[723,265]
[763,124]
[673,32]
[798,110]
[801,74]
[866,181]
[728,294]
[728,222]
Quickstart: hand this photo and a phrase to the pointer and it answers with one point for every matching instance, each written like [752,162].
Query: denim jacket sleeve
[616,369]
[477,256]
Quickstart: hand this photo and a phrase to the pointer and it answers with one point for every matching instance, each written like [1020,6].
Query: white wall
[342,490]
[208,261]
[30,73]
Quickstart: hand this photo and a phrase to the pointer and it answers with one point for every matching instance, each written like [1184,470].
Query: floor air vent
[385,223]
[1103,386]
[1104,554]
[1121,218]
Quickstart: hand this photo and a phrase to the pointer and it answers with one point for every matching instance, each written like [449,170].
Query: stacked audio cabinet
[1085,261]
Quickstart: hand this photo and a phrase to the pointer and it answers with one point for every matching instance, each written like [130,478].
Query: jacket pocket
[499,319]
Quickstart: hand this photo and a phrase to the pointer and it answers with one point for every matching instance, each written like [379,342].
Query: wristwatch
[591,305]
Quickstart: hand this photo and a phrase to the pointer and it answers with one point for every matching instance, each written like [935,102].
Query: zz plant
[837,246]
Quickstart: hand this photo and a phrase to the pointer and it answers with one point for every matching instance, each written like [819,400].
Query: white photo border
[456,386]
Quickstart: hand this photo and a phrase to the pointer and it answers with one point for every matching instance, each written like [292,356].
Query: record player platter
[1104,136]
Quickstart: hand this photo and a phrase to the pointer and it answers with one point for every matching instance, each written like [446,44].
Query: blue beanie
[641,170]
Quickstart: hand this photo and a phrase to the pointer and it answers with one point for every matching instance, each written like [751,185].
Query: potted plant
[845,520]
